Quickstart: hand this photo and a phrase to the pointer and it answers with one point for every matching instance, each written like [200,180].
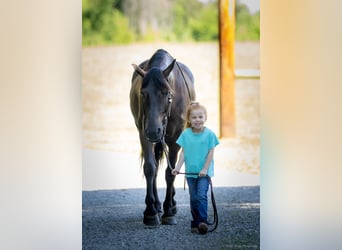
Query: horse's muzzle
[154,135]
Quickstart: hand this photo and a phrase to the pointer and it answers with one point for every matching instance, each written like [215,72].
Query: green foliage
[247,26]
[184,13]
[204,27]
[107,22]
[103,24]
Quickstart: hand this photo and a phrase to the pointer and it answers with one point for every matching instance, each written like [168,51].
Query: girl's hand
[202,173]
[174,172]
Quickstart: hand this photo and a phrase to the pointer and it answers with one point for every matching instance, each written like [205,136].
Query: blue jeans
[198,190]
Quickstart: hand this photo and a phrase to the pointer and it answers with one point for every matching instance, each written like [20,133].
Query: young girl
[197,143]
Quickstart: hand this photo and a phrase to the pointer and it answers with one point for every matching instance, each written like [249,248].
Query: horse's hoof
[174,209]
[152,220]
[170,220]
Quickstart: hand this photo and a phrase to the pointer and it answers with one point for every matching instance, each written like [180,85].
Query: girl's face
[197,119]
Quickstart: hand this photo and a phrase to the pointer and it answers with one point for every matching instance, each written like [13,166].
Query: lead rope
[213,202]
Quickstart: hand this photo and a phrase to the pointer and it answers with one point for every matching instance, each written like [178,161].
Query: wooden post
[227,65]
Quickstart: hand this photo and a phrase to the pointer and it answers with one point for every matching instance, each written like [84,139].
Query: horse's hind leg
[169,205]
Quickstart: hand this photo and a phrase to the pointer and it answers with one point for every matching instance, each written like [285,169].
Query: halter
[167,115]
[169,98]
[170,102]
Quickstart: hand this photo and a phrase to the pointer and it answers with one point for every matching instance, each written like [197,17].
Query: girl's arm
[209,158]
[180,162]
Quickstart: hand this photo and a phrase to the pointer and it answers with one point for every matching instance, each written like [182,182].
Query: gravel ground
[112,219]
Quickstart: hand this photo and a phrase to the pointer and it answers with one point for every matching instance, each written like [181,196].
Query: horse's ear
[169,68]
[139,70]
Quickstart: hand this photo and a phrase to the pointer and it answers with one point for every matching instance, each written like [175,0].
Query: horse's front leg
[151,213]
[169,205]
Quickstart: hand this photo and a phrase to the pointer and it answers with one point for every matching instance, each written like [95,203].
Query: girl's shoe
[202,228]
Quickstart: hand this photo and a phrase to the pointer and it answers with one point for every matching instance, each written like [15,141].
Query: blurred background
[117,33]
[108,22]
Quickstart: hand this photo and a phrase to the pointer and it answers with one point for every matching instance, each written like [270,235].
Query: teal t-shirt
[196,147]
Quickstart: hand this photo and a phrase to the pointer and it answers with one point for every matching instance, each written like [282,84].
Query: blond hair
[194,106]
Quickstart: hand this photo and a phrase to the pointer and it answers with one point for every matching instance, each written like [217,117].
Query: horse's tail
[158,154]
[141,158]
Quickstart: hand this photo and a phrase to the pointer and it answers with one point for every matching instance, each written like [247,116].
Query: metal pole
[227,65]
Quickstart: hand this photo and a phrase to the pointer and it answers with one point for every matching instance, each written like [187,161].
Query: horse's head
[156,97]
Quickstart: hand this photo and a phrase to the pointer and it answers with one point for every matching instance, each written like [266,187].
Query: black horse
[160,93]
